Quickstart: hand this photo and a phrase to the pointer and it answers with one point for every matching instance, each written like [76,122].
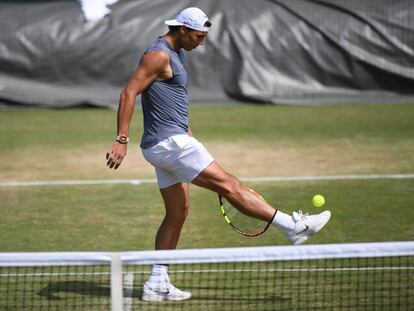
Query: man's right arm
[153,66]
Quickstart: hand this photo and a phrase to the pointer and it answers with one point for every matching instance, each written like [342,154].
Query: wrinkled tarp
[276,51]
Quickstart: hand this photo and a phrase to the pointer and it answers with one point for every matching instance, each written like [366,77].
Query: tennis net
[361,276]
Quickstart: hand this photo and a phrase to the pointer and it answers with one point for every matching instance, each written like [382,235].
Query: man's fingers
[109,161]
[114,161]
[112,164]
[115,156]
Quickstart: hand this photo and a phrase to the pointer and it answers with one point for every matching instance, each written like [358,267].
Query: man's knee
[218,180]
[178,212]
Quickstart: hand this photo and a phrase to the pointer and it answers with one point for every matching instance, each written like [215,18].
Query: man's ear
[183,29]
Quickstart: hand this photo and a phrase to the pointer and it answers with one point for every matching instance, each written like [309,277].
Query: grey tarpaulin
[276,51]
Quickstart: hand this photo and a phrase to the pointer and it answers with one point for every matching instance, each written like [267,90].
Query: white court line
[244,179]
[129,276]
[42,274]
[76,182]
[331,177]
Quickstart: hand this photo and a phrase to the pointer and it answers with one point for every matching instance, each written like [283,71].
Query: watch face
[122,139]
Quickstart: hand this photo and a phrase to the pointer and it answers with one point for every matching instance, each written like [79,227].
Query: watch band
[122,139]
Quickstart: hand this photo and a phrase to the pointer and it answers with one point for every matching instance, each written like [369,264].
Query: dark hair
[174,28]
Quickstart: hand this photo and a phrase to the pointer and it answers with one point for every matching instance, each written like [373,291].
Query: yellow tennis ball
[318,200]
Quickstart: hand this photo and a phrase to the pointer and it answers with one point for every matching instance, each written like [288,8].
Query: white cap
[192,18]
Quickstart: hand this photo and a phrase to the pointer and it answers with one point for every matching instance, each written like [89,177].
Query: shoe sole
[152,298]
[305,235]
[157,297]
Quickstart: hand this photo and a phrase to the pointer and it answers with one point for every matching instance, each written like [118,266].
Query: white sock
[159,274]
[284,221]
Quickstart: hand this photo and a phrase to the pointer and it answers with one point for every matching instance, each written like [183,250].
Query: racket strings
[242,223]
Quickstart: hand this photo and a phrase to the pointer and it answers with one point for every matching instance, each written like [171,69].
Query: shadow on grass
[60,290]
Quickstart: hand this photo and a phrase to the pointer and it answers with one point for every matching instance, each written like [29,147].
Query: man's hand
[115,156]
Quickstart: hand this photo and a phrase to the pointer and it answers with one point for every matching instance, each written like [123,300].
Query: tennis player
[179,158]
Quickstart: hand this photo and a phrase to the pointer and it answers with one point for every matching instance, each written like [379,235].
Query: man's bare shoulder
[157,62]
[156,57]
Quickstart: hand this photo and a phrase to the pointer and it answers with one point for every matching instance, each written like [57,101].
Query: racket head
[241,223]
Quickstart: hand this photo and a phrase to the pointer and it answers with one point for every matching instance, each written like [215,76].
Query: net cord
[242,254]
[39,259]
[272,253]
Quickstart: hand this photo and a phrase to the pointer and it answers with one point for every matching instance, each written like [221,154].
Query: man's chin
[190,49]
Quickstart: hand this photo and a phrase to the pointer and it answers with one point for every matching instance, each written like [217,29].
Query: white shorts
[177,159]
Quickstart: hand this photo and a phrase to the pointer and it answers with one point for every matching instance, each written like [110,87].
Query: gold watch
[122,139]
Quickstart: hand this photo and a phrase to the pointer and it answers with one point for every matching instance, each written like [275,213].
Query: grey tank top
[165,103]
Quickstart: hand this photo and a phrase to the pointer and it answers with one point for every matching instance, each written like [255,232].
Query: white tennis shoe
[163,291]
[306,225]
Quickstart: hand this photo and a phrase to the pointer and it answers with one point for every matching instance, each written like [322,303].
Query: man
[178,158]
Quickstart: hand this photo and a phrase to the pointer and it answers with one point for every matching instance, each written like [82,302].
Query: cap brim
[173,22]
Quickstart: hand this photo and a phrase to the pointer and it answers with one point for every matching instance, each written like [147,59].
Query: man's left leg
[158,287]
[176,209]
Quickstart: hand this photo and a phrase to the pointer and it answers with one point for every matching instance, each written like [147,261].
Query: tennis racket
[241,223]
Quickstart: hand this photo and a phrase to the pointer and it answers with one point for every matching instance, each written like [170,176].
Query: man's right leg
[215,178]
[297,228]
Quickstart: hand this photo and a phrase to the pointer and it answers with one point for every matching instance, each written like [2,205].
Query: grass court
[249,141]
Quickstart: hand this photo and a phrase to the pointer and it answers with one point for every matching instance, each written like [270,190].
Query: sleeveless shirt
[165,103]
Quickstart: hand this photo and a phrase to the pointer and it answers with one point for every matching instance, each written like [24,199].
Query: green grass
[62,288]
[321,140]
[304,124]
[251,140]
[50,144]
[293,285]
[299,124]
[119,218]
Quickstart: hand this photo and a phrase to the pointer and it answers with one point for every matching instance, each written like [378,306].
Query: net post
[116,282]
